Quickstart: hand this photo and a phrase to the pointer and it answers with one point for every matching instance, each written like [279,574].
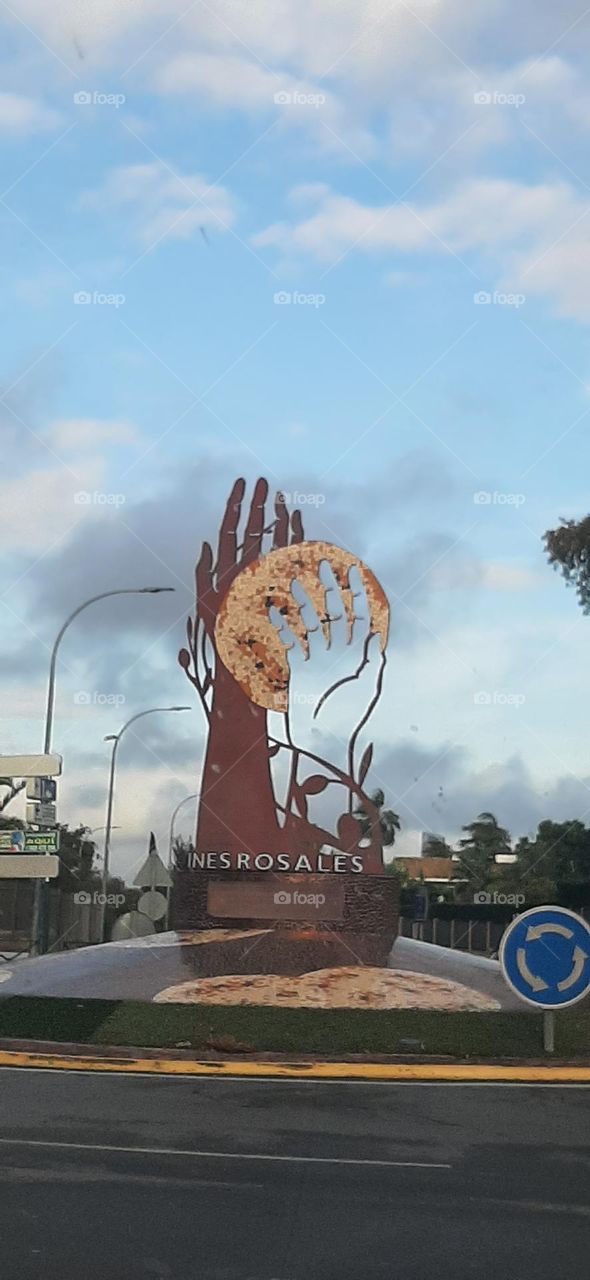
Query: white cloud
[227,80]
[162,202]
[38,507]
[469,573]
[231,81]
[21,115]
[88,433]
[533,239]
[510,577]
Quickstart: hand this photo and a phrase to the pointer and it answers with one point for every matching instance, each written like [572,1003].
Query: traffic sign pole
[545,959]
[549,1031]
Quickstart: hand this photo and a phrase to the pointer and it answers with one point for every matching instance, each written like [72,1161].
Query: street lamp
[40,938]
[124,591]
[195,796]
[115,738]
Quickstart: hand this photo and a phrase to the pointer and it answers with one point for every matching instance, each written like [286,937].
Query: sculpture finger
[255,527]
[281,529]
[297,534]
[227,546]
[206,596]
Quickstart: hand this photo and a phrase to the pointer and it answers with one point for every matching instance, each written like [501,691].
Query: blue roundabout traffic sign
[545,957]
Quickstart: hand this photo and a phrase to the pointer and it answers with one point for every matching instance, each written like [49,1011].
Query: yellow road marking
[300,1070]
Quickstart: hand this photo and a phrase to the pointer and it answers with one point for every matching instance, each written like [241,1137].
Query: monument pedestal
[304,922]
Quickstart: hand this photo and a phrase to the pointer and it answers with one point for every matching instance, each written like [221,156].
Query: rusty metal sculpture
[237,661]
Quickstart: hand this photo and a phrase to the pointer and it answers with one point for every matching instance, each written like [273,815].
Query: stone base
[364,935]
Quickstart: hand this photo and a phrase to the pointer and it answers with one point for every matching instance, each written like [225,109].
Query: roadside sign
[12,841]
[29,842]
[44,766]
[42,789]
[134,924]
[41,814]
[20,867]
[545,957]
[153,904]
[153,874]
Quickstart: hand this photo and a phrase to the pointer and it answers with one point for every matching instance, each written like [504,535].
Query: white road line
[219,1155]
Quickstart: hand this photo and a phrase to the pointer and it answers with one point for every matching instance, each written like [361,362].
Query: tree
[181,849]
[568,549]
[396,868]
[531,876]
[437,847]
[485,839]
[389,821]
[13,789]
[558,856]
[11,824]
[76,860]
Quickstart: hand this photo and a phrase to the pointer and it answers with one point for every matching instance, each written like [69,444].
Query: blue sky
[383,166]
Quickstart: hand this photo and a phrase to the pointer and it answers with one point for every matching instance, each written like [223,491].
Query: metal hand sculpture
[237,660]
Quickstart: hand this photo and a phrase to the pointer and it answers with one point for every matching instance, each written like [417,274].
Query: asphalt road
[142,1178]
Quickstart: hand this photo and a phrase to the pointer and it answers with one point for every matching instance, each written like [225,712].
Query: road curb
[367,1071]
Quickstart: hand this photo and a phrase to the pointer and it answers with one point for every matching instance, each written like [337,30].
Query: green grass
[328,1032]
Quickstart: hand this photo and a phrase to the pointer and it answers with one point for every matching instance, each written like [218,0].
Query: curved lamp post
[195,796]
[124,591]
[115,738]
[40,933]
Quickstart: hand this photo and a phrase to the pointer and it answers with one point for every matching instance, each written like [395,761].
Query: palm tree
[389,821]
[485,839]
